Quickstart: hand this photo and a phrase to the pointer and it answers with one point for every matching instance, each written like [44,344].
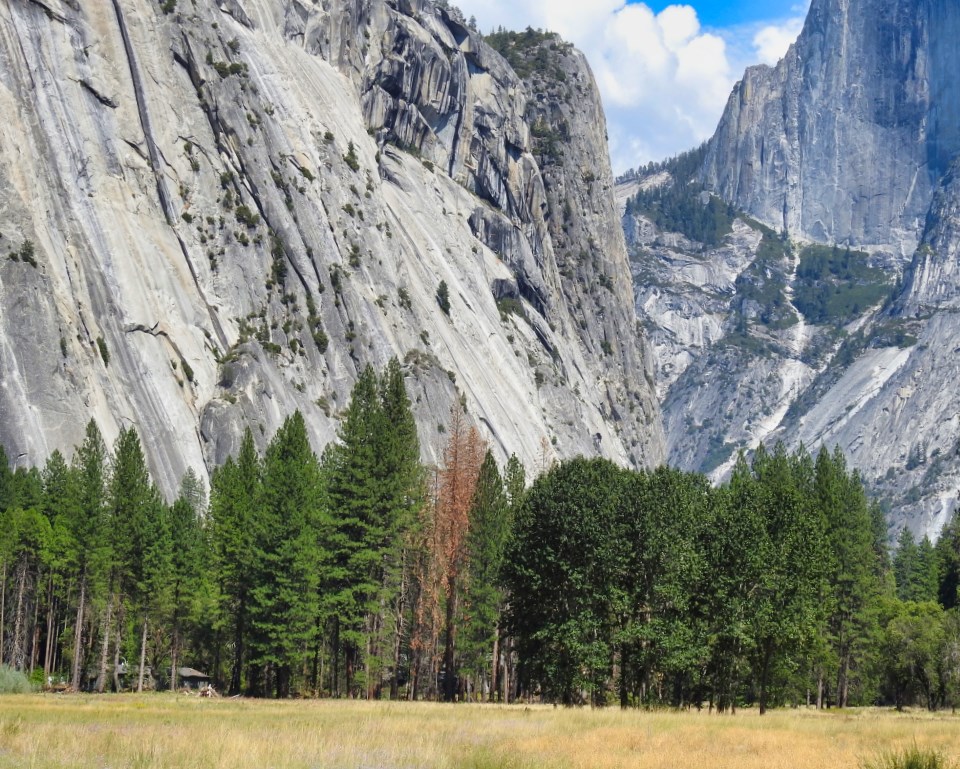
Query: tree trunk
[77,637]
[143,654]
[173,659]
[505,689]
[104,648]
[3,609]
[116,650]
[49,641]
[238,650]
[335,661]
[495,666]
[449,679]
[35,635]
[17,650]
[398,628]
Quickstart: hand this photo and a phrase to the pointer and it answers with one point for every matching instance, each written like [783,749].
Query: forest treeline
[362,573]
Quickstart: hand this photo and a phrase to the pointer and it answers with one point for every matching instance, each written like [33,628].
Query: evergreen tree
[188,548]
[288,564]
[375,486]
[141,533]
[236,525]
[854,573]
[91,554]
[488,531]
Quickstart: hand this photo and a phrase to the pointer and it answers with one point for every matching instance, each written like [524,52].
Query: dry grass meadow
[109,732]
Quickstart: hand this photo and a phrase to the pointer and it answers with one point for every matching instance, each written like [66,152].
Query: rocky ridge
[213,213]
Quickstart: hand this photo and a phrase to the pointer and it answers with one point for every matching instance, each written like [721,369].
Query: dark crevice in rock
[102,98]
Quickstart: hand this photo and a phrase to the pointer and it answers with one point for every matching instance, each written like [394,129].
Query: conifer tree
[141,533]
[487,534]
[237,523]
[289,561]
[188,546]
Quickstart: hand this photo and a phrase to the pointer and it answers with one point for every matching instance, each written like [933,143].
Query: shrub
[351,157]
[443,297]
[13,681]
[104,352]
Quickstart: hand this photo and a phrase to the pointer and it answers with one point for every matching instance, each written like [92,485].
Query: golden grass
[170,731]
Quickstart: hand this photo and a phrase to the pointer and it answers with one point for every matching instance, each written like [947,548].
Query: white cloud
[773,40]
[663,78]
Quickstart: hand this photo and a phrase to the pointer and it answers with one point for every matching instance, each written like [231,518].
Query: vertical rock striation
[845,139]
[213,213]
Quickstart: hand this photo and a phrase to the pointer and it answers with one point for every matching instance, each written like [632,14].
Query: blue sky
[665,70]
[719,14]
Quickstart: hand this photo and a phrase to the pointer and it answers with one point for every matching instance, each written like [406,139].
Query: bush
[443,297]
[13,681]
[104,352]
[913,757]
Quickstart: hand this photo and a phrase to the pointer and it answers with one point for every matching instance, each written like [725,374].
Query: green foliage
[529,52]
[834,285]
[682,205]
[13,681]
[489,528]
[287,556]
[760,288]
[443,297]
[915,569]
[509,305]
[351,157]
[247,217]
[375,486]
[27,253]
[104,352]
[560,564]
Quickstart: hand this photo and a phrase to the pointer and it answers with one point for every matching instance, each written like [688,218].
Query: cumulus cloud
[664,79]
[772,41]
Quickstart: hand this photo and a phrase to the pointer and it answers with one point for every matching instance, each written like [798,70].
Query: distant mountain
[821,303]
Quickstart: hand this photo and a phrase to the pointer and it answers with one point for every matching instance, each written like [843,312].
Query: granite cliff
[215,212]
[826,311]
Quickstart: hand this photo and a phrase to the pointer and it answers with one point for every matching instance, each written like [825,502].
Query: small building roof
[191,673]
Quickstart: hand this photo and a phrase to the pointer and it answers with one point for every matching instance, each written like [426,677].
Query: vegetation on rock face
[528,52]
[443,297]
[834,285]
[681,204]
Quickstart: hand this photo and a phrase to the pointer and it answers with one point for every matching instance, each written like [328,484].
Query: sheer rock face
[845,139]
[852,139]
[233,207]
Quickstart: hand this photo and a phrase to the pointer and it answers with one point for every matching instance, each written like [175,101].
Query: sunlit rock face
[232,207]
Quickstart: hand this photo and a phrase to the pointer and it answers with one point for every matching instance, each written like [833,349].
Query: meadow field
[168,731]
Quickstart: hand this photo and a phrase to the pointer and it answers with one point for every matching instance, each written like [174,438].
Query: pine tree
[141,533]
[188,547]
[236,525]
[375,485]
[853,569]
[487,534]
[462,457]
[289,561]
